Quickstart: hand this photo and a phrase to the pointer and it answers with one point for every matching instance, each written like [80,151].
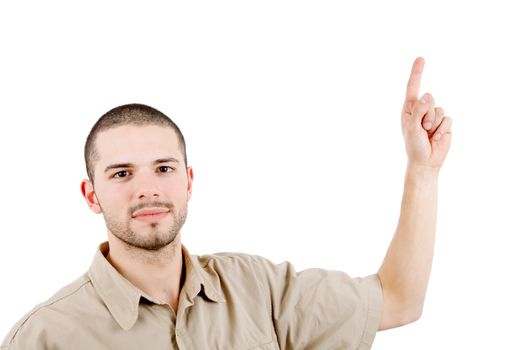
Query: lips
[149,211]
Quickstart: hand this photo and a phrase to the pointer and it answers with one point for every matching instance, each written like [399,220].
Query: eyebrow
[130,165]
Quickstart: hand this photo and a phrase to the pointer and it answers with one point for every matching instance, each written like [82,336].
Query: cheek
[112,201]
[177,188]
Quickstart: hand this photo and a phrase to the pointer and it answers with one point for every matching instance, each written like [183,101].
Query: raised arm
[405,271]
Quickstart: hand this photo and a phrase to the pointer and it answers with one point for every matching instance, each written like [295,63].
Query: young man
[145,291]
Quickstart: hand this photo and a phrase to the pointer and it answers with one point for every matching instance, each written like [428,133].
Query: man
[145,291]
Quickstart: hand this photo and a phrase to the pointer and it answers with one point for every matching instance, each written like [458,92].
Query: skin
[147,253]
[405,271]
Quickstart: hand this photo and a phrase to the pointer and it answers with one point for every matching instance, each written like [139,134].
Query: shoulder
[238,262]
[226,259]
[44,315]
[238,270]
[246,271]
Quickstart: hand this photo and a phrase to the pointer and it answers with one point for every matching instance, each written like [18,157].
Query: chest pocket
[226,327]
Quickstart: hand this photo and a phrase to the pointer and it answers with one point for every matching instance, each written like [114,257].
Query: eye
[165,169]
[121,174]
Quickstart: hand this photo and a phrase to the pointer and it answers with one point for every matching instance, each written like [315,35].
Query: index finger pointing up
[415,79]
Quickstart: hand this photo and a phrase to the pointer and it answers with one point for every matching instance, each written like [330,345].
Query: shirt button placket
[178,335]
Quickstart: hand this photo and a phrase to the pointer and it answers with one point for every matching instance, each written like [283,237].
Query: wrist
[425,170]
[422,173]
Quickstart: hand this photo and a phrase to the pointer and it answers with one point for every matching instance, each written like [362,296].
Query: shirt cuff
[375,310]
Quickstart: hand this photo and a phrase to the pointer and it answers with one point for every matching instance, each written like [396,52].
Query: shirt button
[177,332]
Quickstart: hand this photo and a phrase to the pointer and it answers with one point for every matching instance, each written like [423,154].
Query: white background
[291,115]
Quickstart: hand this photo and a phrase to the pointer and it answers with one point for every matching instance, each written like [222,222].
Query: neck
[156,273]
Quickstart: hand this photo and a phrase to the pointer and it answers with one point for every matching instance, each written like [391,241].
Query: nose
[148,194]
[147,187]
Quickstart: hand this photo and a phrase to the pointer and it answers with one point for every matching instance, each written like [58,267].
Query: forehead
[136,144]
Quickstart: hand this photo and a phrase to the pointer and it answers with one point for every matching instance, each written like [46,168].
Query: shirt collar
[122,298]
[198,278]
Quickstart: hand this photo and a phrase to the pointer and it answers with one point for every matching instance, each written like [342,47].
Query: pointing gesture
[425,128]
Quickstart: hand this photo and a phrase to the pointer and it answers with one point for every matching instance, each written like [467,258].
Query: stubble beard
[154,239]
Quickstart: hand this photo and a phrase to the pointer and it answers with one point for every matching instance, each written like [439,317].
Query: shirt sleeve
[24,335]
[321,309]
[35,330]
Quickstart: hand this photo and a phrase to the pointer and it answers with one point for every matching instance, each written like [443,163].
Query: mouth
[151,217]
[150,214]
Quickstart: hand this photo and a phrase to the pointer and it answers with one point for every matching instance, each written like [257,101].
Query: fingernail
[427,125]
[423,99]
[437,136]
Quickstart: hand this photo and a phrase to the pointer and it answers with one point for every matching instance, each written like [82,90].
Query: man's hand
[425,128]
[405,271]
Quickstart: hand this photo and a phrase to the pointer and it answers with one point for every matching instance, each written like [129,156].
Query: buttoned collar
[122,298]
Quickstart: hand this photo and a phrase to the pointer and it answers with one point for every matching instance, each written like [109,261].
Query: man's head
[138,176]
[130,114]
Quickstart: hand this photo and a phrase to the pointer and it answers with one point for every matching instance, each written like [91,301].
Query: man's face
[142,185]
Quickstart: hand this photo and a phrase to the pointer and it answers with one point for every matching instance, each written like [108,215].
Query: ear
[88,191]
[190,181]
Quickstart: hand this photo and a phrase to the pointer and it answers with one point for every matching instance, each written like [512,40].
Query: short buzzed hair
[129,114]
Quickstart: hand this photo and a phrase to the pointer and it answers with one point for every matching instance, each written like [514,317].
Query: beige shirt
[227,301]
